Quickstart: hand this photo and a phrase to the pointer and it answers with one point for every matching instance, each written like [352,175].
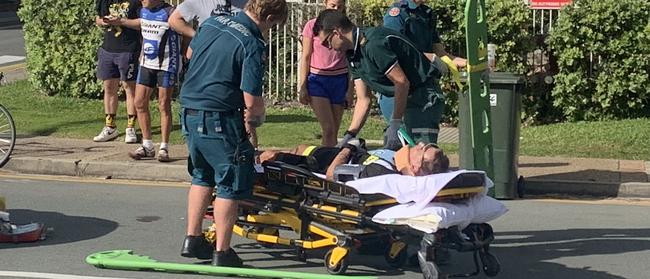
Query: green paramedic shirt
[382,50]
[417,23]
[227,60]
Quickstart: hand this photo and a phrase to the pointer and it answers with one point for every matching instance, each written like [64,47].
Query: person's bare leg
[198,200]
[337,114]
[323,110]
[225,215]
[110,95]
[129,88]
[165,108]
[142,94]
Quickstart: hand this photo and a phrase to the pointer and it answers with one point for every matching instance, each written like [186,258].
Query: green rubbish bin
[505,119]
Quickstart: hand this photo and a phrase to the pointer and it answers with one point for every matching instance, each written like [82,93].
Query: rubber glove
[391,138]
[346,138]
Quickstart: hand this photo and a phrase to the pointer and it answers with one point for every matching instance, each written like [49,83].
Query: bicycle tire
[7,135]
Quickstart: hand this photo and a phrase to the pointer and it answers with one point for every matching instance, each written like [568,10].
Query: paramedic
[382,60]
[220,107]
[416,21]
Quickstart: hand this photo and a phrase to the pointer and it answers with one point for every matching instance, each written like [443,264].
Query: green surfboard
[127,260]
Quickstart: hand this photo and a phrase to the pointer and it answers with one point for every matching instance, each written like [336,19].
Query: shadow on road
[360,265]
[532,253]
[66,229]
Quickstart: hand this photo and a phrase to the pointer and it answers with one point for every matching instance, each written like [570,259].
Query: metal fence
[284,51]
[541,59]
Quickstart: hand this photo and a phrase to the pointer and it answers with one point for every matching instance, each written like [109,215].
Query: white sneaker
[106,134]
[130,136]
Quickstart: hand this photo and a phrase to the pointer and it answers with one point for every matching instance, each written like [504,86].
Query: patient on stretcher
[419,160]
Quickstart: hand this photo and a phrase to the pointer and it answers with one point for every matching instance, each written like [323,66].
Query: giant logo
[150,49]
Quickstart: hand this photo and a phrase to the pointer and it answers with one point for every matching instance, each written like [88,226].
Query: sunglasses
[426,168]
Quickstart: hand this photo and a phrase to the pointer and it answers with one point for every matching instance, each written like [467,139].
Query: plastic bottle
[491,57]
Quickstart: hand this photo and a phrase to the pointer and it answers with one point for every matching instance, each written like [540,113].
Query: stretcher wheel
[491,265]
[340,268]
[301,254]
[396,261]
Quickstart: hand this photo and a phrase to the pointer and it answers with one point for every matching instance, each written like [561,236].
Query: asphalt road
[536,239]
[12,44]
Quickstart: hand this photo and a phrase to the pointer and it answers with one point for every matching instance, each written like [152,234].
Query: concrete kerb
[587,188]
[115,170]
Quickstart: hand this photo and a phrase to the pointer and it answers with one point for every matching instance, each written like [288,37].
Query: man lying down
[414,188]
[353,159]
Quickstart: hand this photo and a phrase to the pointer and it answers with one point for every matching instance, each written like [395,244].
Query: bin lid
[500,78]
[506,78]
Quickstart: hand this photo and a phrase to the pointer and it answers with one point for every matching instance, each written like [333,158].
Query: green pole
[479,87]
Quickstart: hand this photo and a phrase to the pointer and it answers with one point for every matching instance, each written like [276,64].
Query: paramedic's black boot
[197,247]
[227,258]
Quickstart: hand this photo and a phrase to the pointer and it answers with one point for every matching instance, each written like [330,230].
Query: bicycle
[7,133]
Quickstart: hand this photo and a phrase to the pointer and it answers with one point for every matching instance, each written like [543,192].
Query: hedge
[616,84]
[61,41]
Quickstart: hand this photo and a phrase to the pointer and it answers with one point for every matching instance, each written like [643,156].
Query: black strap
[163,41]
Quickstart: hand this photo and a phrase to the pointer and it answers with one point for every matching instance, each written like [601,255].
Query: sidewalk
[543,175]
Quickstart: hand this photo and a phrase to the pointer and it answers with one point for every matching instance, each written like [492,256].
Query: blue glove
[391,138]
[346,138]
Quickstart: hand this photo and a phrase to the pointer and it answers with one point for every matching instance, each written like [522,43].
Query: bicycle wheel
[7,135]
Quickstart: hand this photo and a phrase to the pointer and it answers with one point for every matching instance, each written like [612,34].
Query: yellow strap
[476,68]
[371,159]
[455,74]
[309,150]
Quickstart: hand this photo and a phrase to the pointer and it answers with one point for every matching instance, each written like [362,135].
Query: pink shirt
[324,61]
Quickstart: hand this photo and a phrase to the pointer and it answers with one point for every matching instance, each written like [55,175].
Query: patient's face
[423,157]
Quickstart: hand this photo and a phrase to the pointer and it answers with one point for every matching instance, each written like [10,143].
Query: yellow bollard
[3,205]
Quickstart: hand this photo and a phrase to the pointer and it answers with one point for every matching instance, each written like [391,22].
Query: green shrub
[616,33]
[61,41]
[509,25]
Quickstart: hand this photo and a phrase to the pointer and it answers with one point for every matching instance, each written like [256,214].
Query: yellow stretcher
[327,214]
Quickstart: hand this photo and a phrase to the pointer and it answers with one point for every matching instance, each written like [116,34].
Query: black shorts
[122,65]
[316,159]
[323,155]
[156,78]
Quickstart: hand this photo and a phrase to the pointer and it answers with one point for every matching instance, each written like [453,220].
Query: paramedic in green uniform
[382,60]
[416,21]
[222,103]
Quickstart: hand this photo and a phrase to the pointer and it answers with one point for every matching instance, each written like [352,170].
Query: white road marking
[40,275]
[10,58]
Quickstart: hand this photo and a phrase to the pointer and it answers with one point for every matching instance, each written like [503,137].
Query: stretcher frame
[326,214]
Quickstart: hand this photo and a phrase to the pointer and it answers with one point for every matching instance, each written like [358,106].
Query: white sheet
[416,209]
[418,189]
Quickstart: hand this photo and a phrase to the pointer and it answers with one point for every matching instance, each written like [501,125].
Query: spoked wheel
[7,135]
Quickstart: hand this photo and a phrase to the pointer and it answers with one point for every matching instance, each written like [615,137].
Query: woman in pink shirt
[324,83]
